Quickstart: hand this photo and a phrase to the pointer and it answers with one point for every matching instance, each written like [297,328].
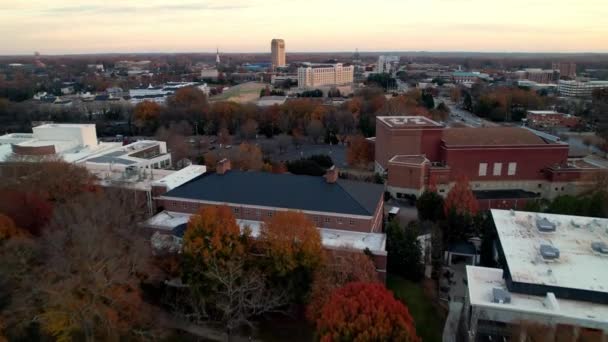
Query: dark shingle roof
[283,191]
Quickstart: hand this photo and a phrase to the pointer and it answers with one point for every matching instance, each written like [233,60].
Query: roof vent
[549,252]
[545,225]
[501,296]
[600,247]
[576,224]
[512,212]
[550,302]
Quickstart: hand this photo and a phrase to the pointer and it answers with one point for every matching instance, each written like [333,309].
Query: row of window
[497,169]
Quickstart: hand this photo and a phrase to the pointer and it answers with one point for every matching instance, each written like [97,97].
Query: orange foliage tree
[340,267]
[291,241]
[8,229]
[365,312]
[247,157]
[359,152]
[146,114]
[461,200]
[212,236]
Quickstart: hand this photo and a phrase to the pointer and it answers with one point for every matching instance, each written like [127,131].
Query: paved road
[459,115]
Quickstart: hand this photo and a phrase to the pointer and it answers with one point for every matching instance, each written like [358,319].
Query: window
[269,214]
[327,219]
[339,220]
[351,222]
[235,210]
[512,169]
[483,169]
[497,169]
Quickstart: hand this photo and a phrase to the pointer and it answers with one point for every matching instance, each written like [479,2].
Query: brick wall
[243,212]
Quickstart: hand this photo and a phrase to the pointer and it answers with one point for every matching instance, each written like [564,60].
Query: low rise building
[506,166]
[579,88]
[462,77]
[349,214]
[553,279]
[538,75]
[550,118]
[159,94]
[319,75]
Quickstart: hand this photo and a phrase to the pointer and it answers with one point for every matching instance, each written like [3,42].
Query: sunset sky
[65,26]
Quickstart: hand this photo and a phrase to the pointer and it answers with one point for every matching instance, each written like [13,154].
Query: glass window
[512,169]
[497,169]
[483,169]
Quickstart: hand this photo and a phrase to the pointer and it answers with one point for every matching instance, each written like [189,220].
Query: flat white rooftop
[182,176]
[481,282]
[408,121]
[578,265]
[332,238]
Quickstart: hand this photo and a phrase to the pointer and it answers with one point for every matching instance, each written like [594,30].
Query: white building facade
[579,88]
[325,75]
[387,64]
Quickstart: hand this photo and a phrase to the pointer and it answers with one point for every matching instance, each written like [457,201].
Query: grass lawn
[429,325]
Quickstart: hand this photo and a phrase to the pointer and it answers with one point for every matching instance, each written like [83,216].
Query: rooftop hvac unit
[501,296]
[600,247]
[544,225]
[549,252]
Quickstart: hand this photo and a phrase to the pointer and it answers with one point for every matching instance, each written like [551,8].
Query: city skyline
[69,27]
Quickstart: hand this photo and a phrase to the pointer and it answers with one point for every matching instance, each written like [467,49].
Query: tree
[83,275]
[8,229]
[212,237]
[249,129]
[175,137]
[455,95]
[189,103]
[146,115]
[283,141]
[427,100]
[430,206]
[247,157]
[365,312]
[461,199]
[291,241]
[315,130]
[27,210]
[340,267]
[359,152]
[404,251]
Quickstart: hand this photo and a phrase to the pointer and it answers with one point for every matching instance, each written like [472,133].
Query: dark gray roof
[283,191]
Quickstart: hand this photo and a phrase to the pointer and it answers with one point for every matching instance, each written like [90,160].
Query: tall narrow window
[512,169]
[497,169]
[483,169]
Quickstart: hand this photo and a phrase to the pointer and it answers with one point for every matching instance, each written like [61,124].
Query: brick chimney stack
[223,166]
[331,176]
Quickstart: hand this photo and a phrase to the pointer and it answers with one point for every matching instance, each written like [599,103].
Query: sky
[98,26]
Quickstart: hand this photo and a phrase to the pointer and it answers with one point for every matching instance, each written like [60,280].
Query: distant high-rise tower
[217,57]
[277,48]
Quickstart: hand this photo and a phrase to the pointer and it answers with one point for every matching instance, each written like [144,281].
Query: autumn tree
[27,210]
[290,241]
[365,312]
[247,157]
[146,115]
[8,229]
[175,137]
[224,283]
[359,152]
[339,268]
[461,200]
[81,278]
[249,129]
[189,103]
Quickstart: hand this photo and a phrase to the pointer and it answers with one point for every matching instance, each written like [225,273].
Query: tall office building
[566,69]
[277,48]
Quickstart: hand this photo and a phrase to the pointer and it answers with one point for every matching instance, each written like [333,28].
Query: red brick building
[348,214]
[505,165]
[549,118]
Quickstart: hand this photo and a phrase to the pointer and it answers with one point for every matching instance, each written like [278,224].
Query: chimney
[331,176]
[223,166]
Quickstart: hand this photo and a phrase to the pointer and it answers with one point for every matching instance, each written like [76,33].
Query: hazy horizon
[247,26]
